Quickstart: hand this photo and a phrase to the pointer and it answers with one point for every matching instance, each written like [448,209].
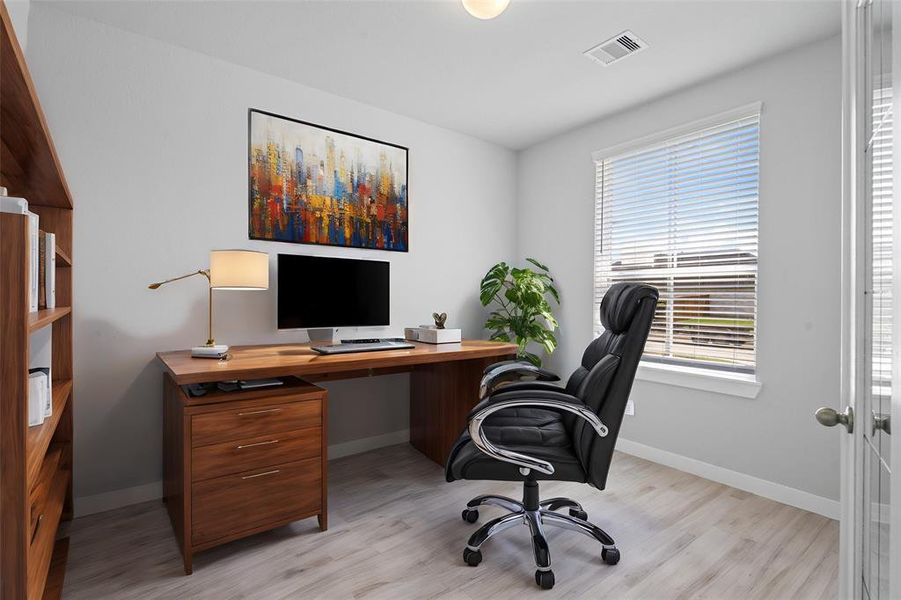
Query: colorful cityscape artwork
[314,185]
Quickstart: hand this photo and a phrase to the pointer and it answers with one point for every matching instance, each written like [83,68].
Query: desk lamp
[229,270]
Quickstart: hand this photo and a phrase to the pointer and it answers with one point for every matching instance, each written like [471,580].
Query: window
[679,211]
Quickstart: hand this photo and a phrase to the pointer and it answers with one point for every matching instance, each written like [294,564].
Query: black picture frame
[250,194]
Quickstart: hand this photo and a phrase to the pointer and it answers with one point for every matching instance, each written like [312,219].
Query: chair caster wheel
[579,514]
[472,557]
[470,515]
[544,579]
[610,555]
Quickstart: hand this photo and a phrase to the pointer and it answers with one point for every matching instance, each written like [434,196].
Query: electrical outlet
[630,408]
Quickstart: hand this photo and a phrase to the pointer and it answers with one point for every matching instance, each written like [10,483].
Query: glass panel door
[876,467]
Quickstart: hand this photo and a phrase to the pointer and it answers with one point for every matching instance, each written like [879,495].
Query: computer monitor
[316,292]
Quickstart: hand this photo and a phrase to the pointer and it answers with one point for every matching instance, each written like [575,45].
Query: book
[46,270]
[49,278]
[11,204]
[33,257]
[37,389]
[42,269]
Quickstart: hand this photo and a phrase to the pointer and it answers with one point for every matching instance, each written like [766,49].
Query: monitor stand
[325,335]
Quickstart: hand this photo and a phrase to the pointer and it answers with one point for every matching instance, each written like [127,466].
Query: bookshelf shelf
[45,317]
[36,478]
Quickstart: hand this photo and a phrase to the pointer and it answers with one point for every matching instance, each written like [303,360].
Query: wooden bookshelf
[35,462]
[47,316]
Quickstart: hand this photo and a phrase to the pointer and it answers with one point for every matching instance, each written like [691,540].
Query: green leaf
[532,358]
[523,313]
[492,282]
[554,293]
[551,321]
[537,264]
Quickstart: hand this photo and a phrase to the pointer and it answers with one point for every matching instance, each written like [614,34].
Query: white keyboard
[371,347]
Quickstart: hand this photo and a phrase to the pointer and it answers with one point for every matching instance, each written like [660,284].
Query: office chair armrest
[535,398]
[508,371]
[516,386]
[523,386]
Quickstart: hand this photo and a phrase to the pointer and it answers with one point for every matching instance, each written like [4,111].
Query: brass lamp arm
[206,273]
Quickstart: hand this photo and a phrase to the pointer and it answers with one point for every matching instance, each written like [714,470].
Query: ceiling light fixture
[485,9]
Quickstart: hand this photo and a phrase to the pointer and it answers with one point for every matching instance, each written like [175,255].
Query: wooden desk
[210,446]
[443,385]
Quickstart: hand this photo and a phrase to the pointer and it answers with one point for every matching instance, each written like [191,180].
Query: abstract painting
[310,184]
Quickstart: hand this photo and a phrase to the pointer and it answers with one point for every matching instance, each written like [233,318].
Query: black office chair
[526,429]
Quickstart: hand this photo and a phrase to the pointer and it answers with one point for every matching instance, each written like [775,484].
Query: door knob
[882,423]
[830,417]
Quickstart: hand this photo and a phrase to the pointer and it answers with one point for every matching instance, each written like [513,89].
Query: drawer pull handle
[242,446]
[259,412]
[261,474]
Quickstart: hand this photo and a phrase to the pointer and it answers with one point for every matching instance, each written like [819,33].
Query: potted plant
[522,310]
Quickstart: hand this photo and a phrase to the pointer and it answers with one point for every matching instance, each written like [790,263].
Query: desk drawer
[263,419]
[226,506]
[247,454]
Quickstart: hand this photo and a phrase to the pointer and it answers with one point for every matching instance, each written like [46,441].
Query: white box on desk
[432,335]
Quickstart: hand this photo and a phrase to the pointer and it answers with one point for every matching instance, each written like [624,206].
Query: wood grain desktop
[443,385]
[255,362]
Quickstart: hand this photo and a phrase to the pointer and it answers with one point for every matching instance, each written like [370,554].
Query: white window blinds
[680,213]
[880,148]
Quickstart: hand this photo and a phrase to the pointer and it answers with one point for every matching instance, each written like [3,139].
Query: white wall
[153,140]
[18,13]
[773,437]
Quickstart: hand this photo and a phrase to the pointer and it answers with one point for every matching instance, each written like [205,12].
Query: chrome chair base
[544,516]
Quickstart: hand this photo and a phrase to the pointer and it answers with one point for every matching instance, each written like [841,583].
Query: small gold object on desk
[229,270]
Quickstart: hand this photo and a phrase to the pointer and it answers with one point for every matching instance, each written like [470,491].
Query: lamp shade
[239,270]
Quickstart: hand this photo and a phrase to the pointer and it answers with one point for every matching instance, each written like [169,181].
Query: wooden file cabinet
[239,463]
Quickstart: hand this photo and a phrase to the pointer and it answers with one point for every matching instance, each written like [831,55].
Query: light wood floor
[396,532]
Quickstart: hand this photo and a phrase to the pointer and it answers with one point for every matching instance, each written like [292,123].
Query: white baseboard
[366,444]
[768,489]
[89,505]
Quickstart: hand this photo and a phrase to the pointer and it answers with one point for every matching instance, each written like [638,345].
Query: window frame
[742,384]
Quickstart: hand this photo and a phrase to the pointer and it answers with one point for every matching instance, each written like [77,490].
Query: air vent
[616,48]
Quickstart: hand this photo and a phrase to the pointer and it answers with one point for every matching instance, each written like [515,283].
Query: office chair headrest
[621,302]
